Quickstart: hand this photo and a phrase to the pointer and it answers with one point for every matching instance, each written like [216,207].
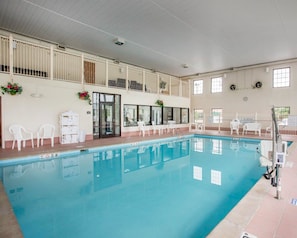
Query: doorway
[106,115]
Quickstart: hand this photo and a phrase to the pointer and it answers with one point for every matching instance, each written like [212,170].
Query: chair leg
[13,143]
[19,142]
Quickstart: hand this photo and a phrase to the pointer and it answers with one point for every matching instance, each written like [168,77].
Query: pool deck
[259,213]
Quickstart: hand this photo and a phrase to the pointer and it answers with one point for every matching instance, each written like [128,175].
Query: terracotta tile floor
[259,213]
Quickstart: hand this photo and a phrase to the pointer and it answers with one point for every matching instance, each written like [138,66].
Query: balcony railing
[28,59]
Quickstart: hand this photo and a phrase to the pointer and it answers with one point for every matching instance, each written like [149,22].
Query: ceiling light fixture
[119,41]
[185,66]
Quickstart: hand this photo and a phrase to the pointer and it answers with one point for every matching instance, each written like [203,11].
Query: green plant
[84,96]
[160,103]
[12,89]
[162,84]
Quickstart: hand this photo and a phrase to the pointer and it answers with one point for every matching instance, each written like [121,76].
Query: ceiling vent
[119,41]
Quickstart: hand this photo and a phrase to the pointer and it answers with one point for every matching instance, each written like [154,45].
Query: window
[144,114]
[157,115]
[217,115]
[185,115]
[149,114]
[198,116]
[198,86]
[167,114]
[281,77]
[281,114]
[216,85]
[130,115]
[176,115]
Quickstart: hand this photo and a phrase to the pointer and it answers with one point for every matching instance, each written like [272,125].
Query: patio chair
[20,134]
[142,129]
[46,131]
[234,126]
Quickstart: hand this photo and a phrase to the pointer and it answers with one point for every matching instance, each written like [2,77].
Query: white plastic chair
[234,126]
[20,134]
[46,131]
[141,128]
[157,127]
[171,126]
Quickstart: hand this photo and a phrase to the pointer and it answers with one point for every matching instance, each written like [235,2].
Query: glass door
[107,119]
[106,115]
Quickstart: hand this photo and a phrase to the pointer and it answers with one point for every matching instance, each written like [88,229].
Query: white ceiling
[163,35]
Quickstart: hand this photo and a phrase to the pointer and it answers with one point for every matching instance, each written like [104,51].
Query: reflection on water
[131,191]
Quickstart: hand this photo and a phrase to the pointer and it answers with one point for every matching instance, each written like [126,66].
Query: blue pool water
[175,188]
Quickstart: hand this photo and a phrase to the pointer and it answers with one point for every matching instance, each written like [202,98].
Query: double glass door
[106,115]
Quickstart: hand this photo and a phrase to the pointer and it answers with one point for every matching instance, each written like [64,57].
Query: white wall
[259,101]
[58,97]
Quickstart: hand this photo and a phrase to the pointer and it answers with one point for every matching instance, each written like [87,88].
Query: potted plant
[84,95]
[160,103]
[162,84]
[12,89]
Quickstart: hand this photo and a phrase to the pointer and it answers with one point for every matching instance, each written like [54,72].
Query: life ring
[232,87]
[258,84]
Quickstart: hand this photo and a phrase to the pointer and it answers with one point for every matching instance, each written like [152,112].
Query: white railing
[4,54]
[56,64]
[67,67]
[29,59]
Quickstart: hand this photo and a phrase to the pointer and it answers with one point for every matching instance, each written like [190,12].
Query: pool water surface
[176,188]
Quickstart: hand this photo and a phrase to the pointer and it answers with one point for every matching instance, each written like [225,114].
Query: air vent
[232,87]
[258,84]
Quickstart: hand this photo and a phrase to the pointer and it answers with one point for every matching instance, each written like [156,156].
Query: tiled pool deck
[259,213]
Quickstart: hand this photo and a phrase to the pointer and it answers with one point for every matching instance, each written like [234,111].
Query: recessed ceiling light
[185,66]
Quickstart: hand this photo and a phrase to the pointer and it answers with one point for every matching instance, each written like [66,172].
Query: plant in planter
[162,84]
[12,89]
[84,96]
[160,103]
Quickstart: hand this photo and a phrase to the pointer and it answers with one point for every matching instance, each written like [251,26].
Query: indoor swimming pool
[179,187]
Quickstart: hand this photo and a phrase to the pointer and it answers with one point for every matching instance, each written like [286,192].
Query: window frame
[282,113]
[283,80]
[217,87]
[198,89]
[220,116]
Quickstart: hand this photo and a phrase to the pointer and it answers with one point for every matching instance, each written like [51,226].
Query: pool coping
[239,219]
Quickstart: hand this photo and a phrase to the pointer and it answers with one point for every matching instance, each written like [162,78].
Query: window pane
[157,115]
[217,115]
[198,116]
[216,85]
[167,114]
[144,114]
[176,115]
[185,115]
[281,77]
[281,114]
[130,115]
[198,86]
